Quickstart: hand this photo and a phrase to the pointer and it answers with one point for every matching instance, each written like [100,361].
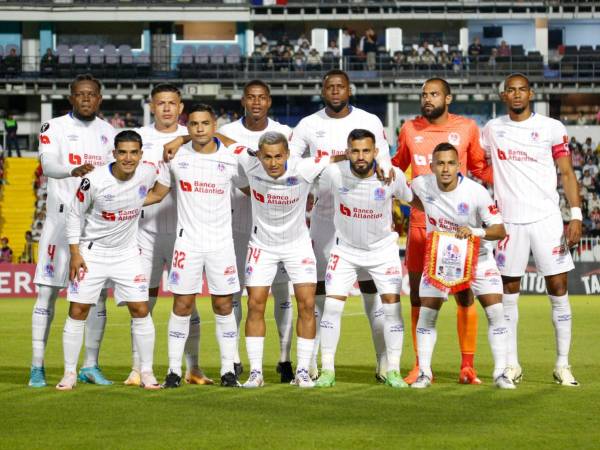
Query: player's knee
[138,310]
[181,308]
[511,285]
[556,285]
[223,306]
[79,311]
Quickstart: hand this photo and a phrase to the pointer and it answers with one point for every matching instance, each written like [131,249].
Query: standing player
[364,240]
[108,203]
[327,130]
[202,172]
[70,147]
[247,131]
[417,139]
[158,222]
[526,148]
[455,204]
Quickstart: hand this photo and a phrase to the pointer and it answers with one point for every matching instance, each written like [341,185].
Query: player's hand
[463,233]
[387,179]
[573,233]
[171,148]
[77,268]
[82,170]
[224,139]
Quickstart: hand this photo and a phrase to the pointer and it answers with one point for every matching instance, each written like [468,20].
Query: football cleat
[238,369]
[393,379]
[381,370]
[37,377]
[148,381]
[412,375]
[196,376]
[423,381]
[230,380]
[68,382]
[468,375]
[515,373]
[303,379]
[134,378]
[285,370]
[255,381]
[93,375]
[327,379]
[313,372]
[564,376]
[504,382]
[172,380]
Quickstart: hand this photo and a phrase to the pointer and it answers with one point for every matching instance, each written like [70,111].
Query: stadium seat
[111,57]
[217,56]
[80,58]
[517,50]
[142,64]
[96,60]
[126,68]
[65,60]
[186,61]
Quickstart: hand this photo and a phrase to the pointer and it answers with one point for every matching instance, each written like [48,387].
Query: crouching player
[108,204]
[453,203]
[364,240]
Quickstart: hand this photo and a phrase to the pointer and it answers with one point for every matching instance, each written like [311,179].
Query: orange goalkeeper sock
[466,323]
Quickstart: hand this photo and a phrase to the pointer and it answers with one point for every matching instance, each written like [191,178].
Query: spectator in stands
[598,119]
[10,127]
[285,63]
[574,145]
[593,201]
[263,49]
[456,60]
[492,59]
[305,48]
[444,60]
[413,58]
[399,60]
[27,257]
[37,232]
[474,50]
[423,48]
[40,204]
[438,47]
[48,60]
[259,40]
[303,40]
[595,218]
[368,48]
[313,60]
[333,48]
[581,119]
[346,42]
[504,49]
[427,59]
[6,252]
[223,118]
[284,42]
[299,61]
[130,121]
[11,61]
[588,145]
[117,121]
[588,181]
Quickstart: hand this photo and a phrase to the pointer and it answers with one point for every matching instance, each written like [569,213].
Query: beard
[518,110]
[83,118]
[434,113]
[336,108]
[362,171]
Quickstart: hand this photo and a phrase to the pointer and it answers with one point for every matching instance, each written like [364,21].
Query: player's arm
[402,157]
[492,233]
[383,166]
[171,148]
[156,194]
[571,186]
[50,158]
[476,162]
[245,190]
[79,207]
[417,203]
[417,187]
[490,216]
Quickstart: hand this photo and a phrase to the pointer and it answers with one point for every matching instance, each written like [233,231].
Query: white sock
[331,324]
[135,356]
[179,327]
[319,307]
[394,334]
[374,311]
[192,343]
[254,347]
[497,336]
[237,311]
[284,316]
[144,335]
[426,337]
[41,319]
[72,341]
[226,330]
[304,351]
[561,318]
[511,314]
[94,331]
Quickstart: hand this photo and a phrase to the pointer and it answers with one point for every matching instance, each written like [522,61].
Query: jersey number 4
[178,259]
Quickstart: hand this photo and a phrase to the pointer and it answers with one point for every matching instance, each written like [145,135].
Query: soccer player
[417,139]
[202,173]
[456,204]
[108,204]
[526,148]
[256,102]
[279,189]
[70,147]
[327,130]
[364,240]
[158,222]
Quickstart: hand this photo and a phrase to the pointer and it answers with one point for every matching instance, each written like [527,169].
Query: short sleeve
[418,186]
[49,138]
[299,142]
[560,140]
[164,174]
[401,189]
[485,141]
[311,168]
[488,211]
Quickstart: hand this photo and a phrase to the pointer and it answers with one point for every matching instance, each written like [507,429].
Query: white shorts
[487,281]
[157,252]
[188,267]
[240,242]
[53,253]
[263,264]
[545,239]
[383,266]
[322,233]
[124,272]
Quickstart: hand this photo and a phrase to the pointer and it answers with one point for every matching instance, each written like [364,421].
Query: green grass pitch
[356,413]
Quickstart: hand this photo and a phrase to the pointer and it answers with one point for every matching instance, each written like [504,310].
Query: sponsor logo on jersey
[501,155]
[454,138]
[292,181]
[501,259]
[74,159]
[380,194]
[229,270]
[429,199]
[345,210]
[49,270]
[111,217]
[419,139]
[239,149]
[140,278]
[308,261]
[463,209]
[142,191]
[44,139]
[45,126]
[432,221]
[104,140]
[108,197]
[174,278]
[394,270]
[85,184]
[515,155]
[258,196]
[185,186]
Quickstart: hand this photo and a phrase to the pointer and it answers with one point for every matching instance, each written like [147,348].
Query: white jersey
[240,203]
[469,204]
[319,132]
[75,142]
[160,217]
[523,155]
[279,205]
[109,209]
[363,207]
[203,184]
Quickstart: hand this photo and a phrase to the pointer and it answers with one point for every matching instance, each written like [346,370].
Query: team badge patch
[454,138]
[221,167]
[104,140]
[49,270]
[85,184]
[500,260]
[142,191]
[463,209]
[45,127]
[380,193]
[292,181]
[535,136]
[174,278]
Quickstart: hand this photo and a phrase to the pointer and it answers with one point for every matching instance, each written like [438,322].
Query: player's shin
[283,318]
[192,343]
[561,319]
[179,327]
[466,322]
[226,331]
[319,307]
[144,336]
[237,311]
[41,319]
[497,337]
[373,309]
[426,337]
[511,313]
[72,341]
[330,327]
[94,331]
[393,334]
[254,347]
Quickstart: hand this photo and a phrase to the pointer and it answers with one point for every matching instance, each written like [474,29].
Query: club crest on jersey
[221,167]
[500,260]
[249,270]
[463,209]
[380,193]
[535,136]
[45,127]
[419,139]
[143,191]
[174,278]
[429,199]
[183,165]
[104,140]
[292,181]
[454,138]
[49,270]
[328,278]
[74,287]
